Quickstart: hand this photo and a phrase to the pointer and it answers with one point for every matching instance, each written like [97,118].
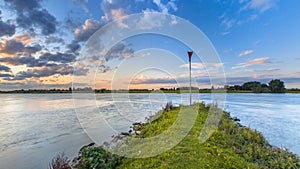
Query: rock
[125,133]
[89,145]
[168,106]
[137,132]
[117,137]
[137,124]
[106,144]
[235,119]
[75,162]
[227,114]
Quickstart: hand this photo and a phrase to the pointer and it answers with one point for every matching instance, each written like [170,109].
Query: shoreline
[230,92]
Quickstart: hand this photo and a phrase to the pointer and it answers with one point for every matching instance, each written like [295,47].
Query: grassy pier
[230,146]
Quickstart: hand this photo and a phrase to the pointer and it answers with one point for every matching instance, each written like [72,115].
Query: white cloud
[164,8]
[90,26]
[260,61]
[257,61]
[151,19]
[117,13]
[228,23]
[261,5]
[246,52]
[270,70]
[225,33]
[195,65]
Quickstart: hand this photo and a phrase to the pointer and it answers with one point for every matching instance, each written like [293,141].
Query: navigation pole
[190,66]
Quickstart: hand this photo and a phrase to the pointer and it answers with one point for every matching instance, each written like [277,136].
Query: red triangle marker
[190,55]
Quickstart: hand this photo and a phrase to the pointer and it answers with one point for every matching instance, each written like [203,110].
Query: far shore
[99,91]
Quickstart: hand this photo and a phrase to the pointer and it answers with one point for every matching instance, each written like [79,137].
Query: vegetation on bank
[274,86]
[230,146]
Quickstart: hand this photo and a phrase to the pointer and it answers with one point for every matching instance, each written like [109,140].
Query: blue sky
[42,39]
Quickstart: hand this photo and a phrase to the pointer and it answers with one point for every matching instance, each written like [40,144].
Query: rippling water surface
[35,127]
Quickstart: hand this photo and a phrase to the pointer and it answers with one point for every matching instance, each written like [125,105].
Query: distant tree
[237,87]
[253,86]
[276,86]
[265,88]
[264,85]
[256,88]
[226,86]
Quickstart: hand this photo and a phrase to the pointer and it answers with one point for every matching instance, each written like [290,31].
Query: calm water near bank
[35,127]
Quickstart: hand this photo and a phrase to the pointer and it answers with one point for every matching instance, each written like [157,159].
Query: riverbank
[177,91]
[230,146]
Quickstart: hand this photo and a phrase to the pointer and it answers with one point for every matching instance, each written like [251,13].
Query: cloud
[11,47]
[257,61]
[245,11]
[225,33]
[116,14]
[151,19]
[228,23]
[24,38]
[25,5]
[4,68]
[43,60]
[49,70]
[114,9]
[57,57]
[271,70]
[83,4]
[5,75]
[145,80]
[40,18]
[29,61]
[88,29]
[194,65]
[261,5]
[73,47]
[54,39]
[119,51]
[44,72]
[246,52]
[6,28]
[30,14]
[103,68]
[35,85]
[260,61]
[164,8]
[32,49]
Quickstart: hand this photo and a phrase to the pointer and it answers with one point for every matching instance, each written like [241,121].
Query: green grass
[230,146]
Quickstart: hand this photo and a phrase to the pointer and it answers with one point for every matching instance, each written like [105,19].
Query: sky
[42,42]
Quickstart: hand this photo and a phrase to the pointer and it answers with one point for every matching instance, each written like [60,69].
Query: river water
[36,127]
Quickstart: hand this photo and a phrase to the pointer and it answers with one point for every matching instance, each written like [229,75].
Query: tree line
[274,86]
